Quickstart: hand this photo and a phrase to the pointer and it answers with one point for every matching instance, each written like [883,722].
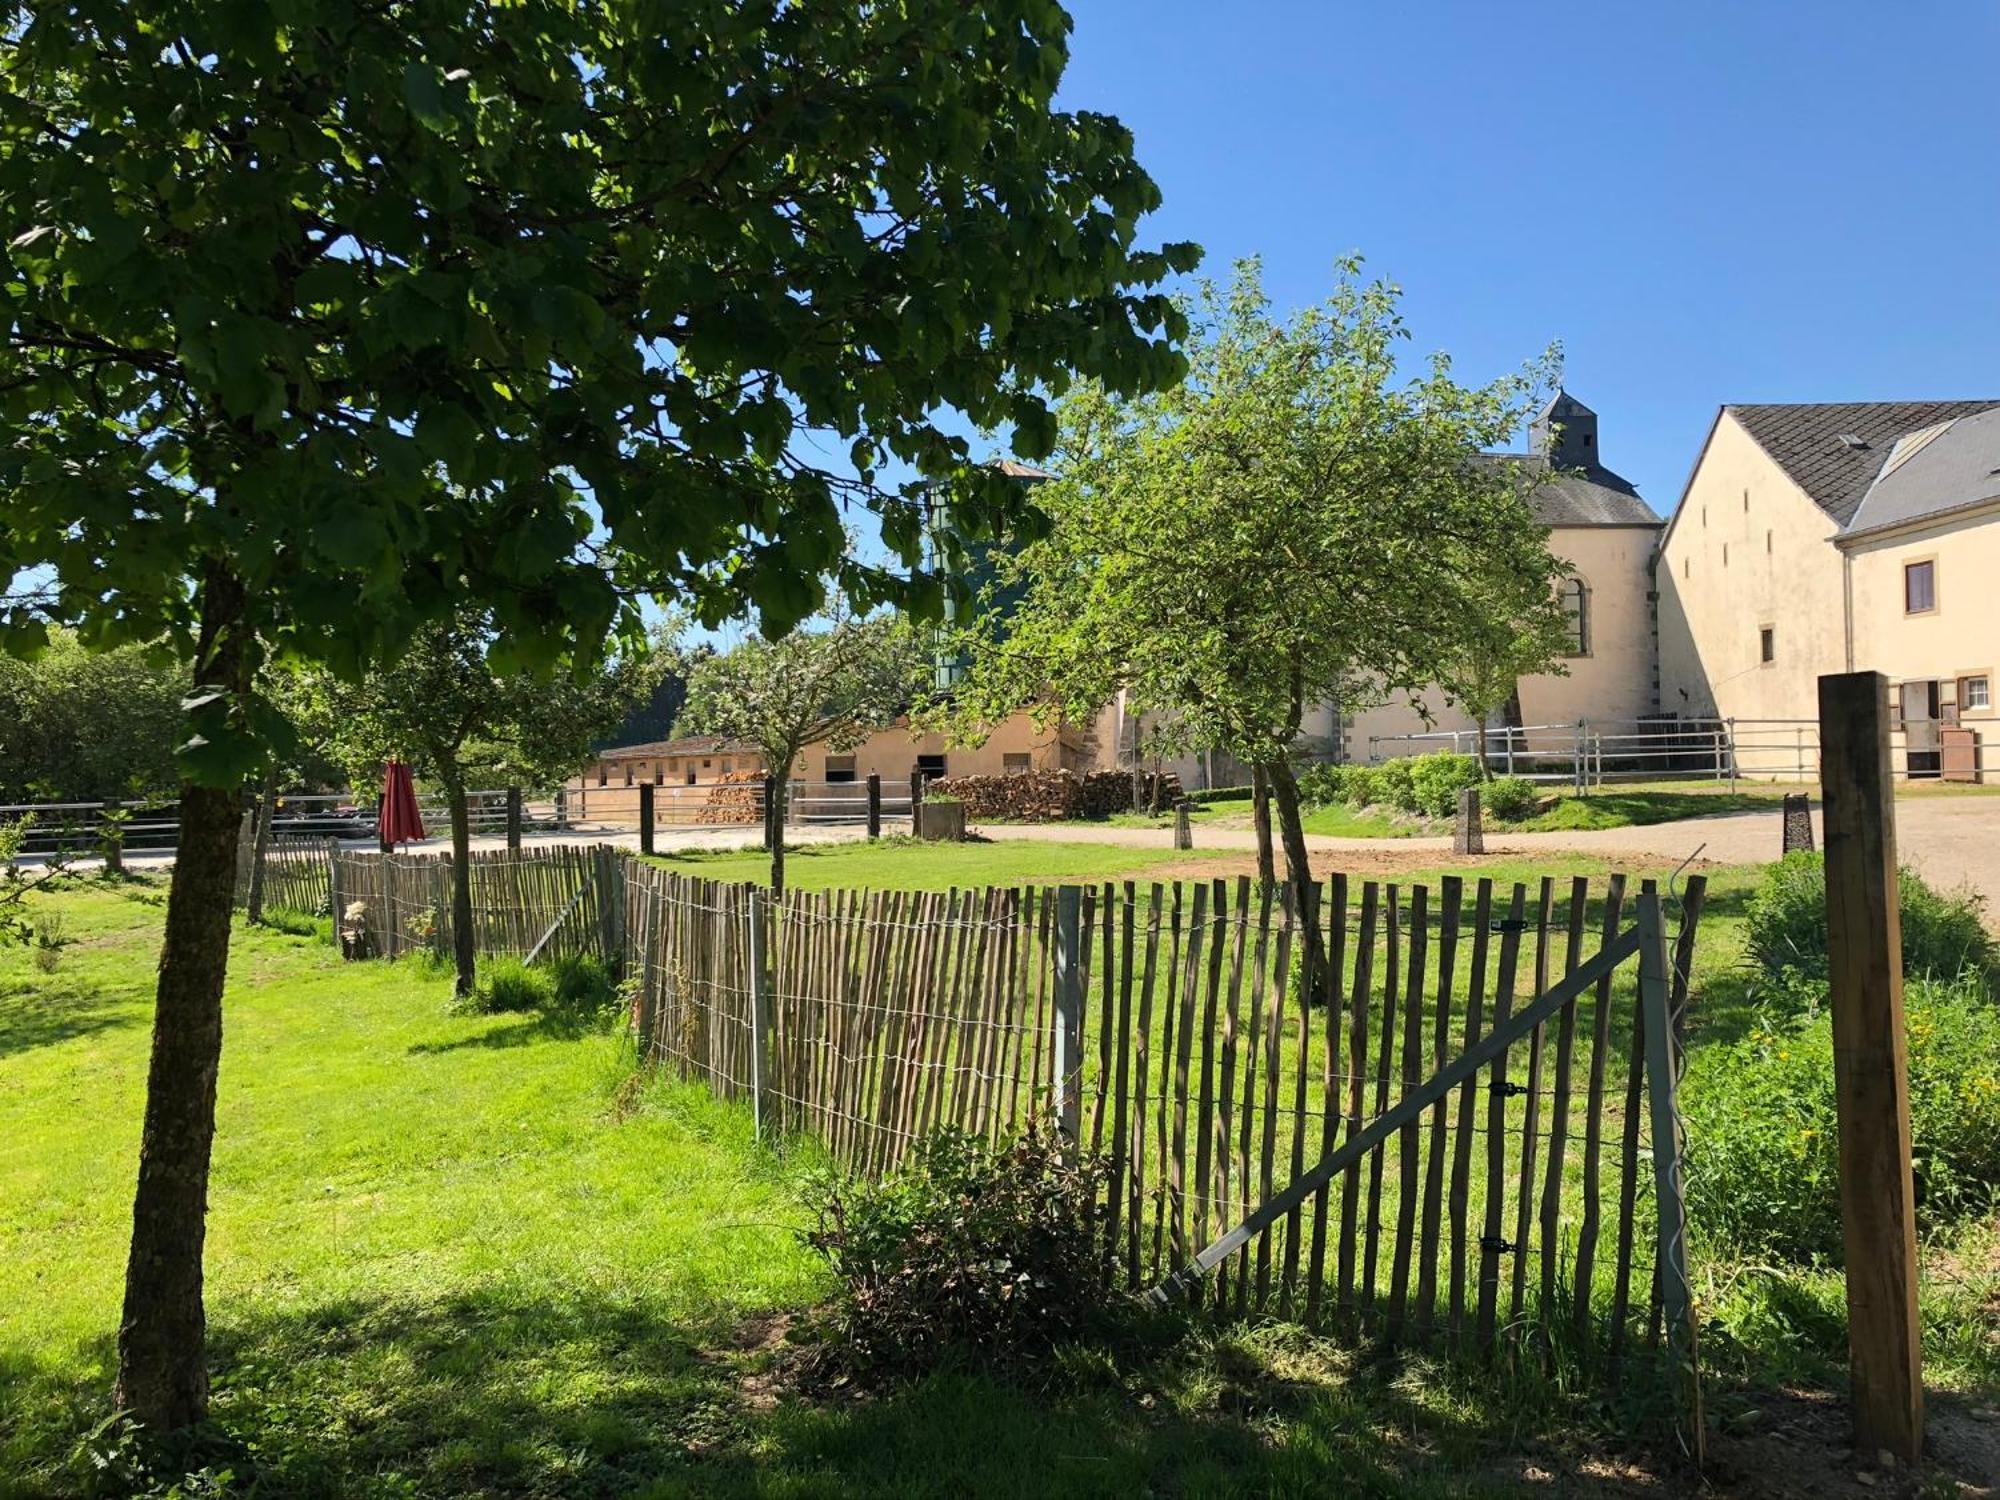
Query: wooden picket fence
[295,875]
[547,901]
[1169,1025]
[1458,1127]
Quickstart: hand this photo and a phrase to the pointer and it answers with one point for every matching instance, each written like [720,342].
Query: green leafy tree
[1516,635]
[442,709]
[324,319]
[78,725]
[1296,524]
[832,682]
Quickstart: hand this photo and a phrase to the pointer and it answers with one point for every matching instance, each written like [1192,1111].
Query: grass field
[464,1255]
[907,864]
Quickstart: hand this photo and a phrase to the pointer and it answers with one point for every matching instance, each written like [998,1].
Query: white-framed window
[1975,693]
[1919,587]
[1576,608]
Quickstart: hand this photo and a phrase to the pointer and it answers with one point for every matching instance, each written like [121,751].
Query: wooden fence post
[1068,1039]
[112,836]
[760,1007]
[1676,1290]
[874,805]
[514,819]
[333,886]
[645,817]
[916,803]
[1871,1080]
[1183,826]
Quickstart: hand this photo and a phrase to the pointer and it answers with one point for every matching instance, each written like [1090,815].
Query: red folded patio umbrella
[399,822]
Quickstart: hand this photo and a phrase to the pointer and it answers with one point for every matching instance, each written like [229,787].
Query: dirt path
[1953,841]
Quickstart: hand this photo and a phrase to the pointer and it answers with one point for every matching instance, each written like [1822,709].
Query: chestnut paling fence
[1436,1112]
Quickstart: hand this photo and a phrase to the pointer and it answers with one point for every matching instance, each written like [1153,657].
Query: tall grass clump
[507,984]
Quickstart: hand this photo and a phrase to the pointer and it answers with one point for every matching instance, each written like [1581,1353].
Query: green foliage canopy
[1296,524]
[443,708]
[323,317]
[78,725]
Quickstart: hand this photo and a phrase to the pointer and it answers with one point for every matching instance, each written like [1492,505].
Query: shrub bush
[1943,934]
[1436,781]
[582,986]
[1763,1142]
[1392,784]
[507,984]
[971,1251]
[1510,798]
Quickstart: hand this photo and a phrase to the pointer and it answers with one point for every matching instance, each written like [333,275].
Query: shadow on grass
[34,1016]
[528,1391]
[523,1031]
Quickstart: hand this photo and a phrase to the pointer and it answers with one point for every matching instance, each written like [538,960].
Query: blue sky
[1704,203]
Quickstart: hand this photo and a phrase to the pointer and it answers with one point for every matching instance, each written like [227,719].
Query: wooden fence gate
[1408,1149]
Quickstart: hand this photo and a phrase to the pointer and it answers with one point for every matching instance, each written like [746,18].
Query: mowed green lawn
[456,1255]
[459,1255]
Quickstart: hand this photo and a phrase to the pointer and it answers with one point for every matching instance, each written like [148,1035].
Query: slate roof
[694,744]
[1589,497]
[1805,440]
[1939,469]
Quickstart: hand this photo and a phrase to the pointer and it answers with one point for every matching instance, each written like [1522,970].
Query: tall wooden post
[874,805]
[760,1007]
[1183,824]
[645,817]
[1871,1076]
[1068,1041]
[514,819]
[1662,1078]
[916,803]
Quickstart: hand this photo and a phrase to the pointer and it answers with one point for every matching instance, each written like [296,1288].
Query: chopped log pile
[1053,796]
[737,797]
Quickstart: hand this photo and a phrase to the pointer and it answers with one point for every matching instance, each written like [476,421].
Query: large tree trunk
[464,953]
[260,840]
[1260,816]
[162,1368]
[1298,869]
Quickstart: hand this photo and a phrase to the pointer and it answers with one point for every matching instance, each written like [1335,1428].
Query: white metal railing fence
[1593,752]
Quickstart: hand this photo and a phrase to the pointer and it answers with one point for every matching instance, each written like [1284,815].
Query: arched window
[1576,606]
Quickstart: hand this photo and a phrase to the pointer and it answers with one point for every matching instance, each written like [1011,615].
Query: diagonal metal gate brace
[1465,1066]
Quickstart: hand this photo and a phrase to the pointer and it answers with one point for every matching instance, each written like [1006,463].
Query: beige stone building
[1607,535]
[1830,537]
[686,772]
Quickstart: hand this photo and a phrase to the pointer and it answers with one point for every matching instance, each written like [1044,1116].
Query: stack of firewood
[1049,796]
[738,797]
